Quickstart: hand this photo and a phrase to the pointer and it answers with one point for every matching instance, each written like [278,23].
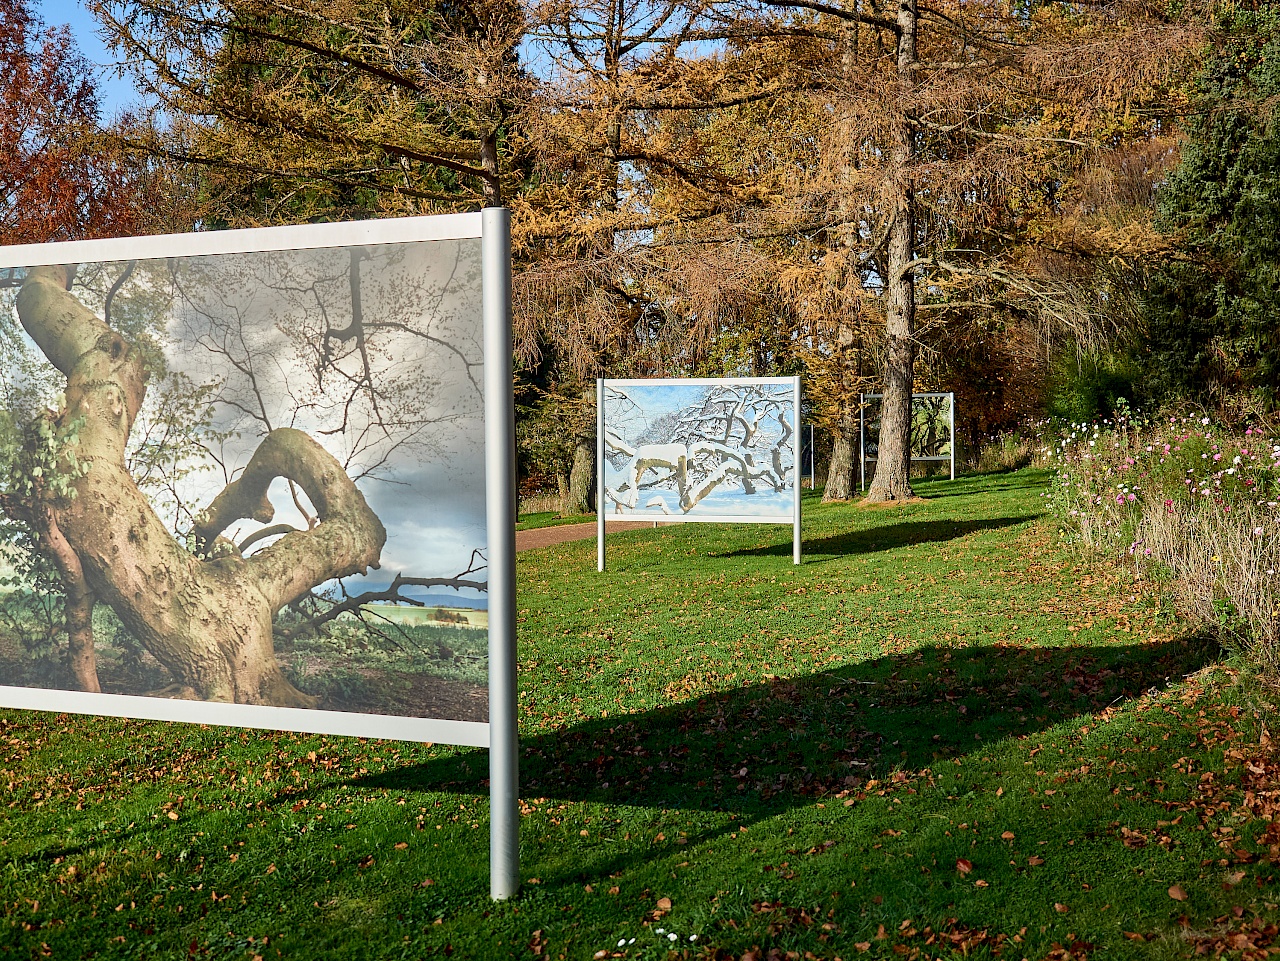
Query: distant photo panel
[700,449]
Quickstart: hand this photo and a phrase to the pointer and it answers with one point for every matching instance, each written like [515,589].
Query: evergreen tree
[1212,307]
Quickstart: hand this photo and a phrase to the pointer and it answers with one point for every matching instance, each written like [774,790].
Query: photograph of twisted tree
[931,416]
[254,478]
[713,450]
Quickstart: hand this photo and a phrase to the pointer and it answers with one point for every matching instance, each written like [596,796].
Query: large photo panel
[247,486]
[700,449]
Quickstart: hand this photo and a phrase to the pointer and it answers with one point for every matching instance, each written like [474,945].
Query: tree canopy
[1212,301]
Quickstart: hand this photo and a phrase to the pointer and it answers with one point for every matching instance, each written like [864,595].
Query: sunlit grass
[941,733]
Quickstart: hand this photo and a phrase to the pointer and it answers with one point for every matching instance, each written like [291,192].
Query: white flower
[622,942]
[693,937]
[661,931]
[1204,420]
[671,936]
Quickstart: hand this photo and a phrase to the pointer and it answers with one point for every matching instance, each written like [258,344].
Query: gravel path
[546,536]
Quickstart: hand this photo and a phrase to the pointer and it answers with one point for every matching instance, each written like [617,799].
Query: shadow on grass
[985,483]
[882,538]
[767,747]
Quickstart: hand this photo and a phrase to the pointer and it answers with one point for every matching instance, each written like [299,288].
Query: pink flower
[1119,498]
[1132,498]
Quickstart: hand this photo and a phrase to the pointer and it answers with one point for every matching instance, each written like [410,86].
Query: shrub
[1189,503]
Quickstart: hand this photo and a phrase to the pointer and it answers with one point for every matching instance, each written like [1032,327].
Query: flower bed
[1189,503]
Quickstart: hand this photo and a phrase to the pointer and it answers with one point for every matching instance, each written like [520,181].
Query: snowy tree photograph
[700,450]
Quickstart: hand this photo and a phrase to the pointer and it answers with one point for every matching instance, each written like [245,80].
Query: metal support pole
[500,513]
[952,398]
[795,531]
[600,474]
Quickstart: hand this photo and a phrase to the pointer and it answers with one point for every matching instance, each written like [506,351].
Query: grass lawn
[529,522]
[942,736]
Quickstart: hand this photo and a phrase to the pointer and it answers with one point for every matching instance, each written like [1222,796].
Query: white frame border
[949,457]
[249,240]
[603,519]
[264,240]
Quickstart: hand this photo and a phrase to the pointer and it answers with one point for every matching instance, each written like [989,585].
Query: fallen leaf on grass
[664,904]
[1177,893]
[1008,835]
[1061,908]
[1035,860]
[964,865]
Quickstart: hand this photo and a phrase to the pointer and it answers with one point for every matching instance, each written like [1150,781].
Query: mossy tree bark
[206,617]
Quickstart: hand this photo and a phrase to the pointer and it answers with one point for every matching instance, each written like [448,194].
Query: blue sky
[114,94]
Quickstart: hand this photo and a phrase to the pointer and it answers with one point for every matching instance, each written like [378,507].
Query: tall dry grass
[1222,571]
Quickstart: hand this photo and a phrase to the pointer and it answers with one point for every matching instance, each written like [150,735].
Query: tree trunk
[580,496]
[842,472]
[893,463]
[81,657]
[79,605]
[492,179]
[208,617]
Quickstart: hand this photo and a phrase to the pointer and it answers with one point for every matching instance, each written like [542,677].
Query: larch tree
[330,110]
[620,173]
[947,123]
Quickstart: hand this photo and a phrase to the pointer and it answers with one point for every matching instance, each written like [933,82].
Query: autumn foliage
[58,180]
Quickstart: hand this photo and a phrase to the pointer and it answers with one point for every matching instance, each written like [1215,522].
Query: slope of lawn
[942,736]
